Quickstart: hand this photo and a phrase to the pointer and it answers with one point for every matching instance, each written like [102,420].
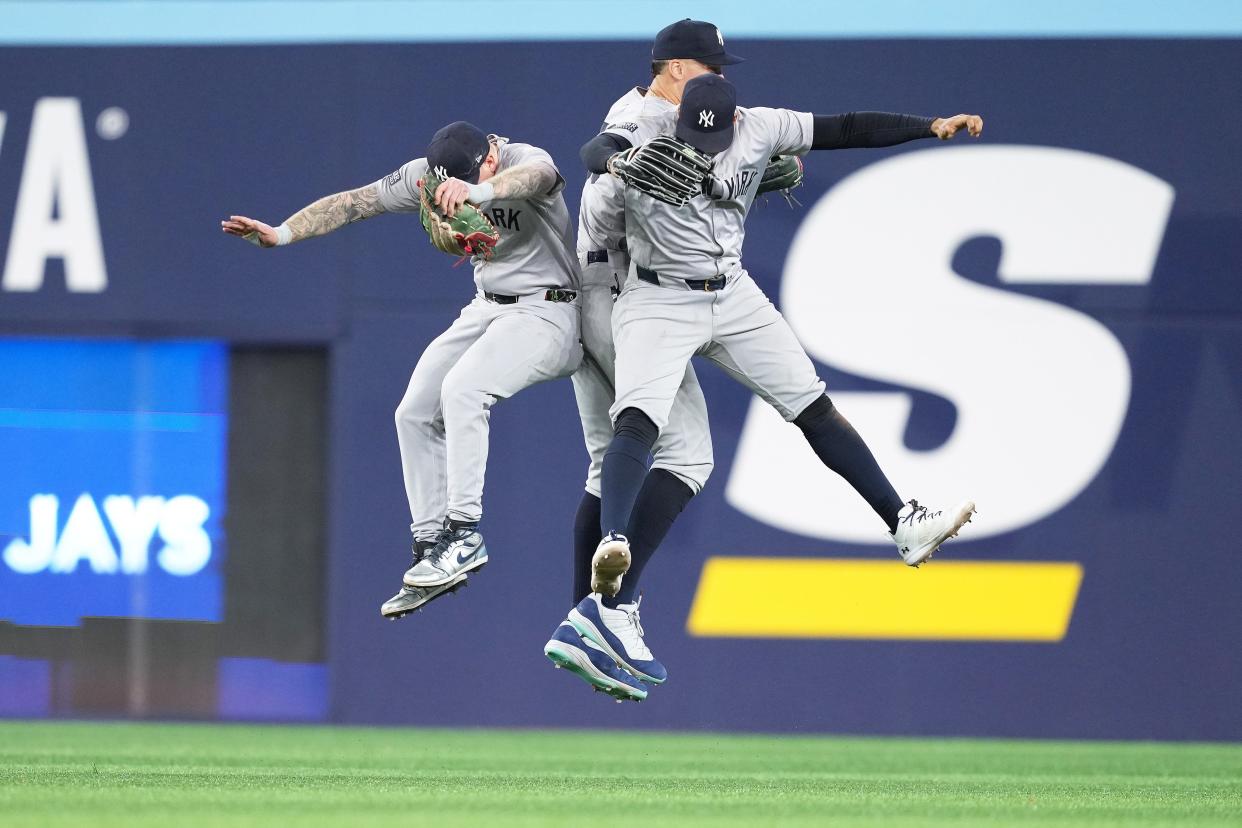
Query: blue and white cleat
[619,633]
[458,551]
[610,563]
[591,664]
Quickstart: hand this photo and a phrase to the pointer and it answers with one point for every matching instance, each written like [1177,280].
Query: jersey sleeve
[626,128]
[790,132]
[398,191]
[518,154]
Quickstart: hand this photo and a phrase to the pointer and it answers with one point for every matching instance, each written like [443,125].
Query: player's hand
[946,128]
[255,232]
[451,194]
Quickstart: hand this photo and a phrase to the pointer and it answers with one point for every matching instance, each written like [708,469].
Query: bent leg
[522,346]
[757,346]
[420,424]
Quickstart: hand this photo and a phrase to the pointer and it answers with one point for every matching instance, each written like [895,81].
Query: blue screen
[112,464]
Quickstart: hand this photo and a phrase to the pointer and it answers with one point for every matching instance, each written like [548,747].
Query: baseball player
[521,328]
[687,293]
[682,455]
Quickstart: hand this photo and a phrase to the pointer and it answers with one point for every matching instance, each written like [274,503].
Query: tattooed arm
[529,180]
[525,180]
[325,215]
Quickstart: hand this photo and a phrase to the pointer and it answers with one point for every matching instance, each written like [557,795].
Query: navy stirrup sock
[838,445]
[625,466]
[586,538]
[660,501]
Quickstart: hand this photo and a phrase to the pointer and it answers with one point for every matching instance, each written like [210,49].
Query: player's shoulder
[635,112]
[407,174]
[761,114]
[513,153]
[416,167]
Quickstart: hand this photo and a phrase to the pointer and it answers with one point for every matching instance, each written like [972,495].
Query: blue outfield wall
[1048,320]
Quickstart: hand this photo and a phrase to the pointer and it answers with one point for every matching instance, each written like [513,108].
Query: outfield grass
[81,775]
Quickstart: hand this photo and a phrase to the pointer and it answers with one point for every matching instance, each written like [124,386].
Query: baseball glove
[782,175]
[664,168]
[466,233]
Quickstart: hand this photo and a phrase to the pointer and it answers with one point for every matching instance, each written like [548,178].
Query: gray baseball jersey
[659,325]
[636,116]
[536,249]
[685,445]
[703,239]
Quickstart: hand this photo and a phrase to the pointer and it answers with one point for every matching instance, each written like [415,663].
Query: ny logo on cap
[720,37]
[707,118]
[441,172]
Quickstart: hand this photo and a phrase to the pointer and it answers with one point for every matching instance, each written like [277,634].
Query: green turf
[79,774]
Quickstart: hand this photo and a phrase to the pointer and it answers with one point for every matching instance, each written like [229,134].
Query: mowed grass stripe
[142,774]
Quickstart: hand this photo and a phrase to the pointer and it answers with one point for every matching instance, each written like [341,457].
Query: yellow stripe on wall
[844,598]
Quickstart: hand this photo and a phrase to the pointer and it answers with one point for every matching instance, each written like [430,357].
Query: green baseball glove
[782,175]
[466,233]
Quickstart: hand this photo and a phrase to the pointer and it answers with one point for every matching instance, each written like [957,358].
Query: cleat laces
[632,633]
[918,514]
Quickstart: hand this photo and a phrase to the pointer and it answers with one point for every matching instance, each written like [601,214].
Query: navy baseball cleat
[581,657]
[619,633]
[920,531]
[458,551]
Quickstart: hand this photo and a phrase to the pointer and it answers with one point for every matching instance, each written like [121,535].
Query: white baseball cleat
[920,531]
[609,564]
[458,551]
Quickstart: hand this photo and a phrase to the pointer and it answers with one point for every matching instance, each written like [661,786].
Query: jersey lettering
[1037,414]
[506,218]
[736,185]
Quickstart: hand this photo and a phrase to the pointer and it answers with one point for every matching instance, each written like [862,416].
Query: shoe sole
[964,514]
[587,629]
[569,658]
[448,589]
[608,566]
[474,565]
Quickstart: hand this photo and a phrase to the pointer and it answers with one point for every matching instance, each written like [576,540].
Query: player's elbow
[596,152]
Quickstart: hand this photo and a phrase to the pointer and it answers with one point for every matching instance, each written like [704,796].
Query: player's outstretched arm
[323,216]
[852,130]
[529,180]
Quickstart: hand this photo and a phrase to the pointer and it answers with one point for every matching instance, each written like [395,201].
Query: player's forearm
[868,129]
[334,212]
[523,181]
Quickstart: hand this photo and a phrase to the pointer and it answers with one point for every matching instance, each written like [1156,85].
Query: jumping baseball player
[521,328]
[682,458]
[687,195]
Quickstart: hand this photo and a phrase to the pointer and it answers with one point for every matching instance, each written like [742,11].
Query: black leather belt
[596,256]
[709,285]
[553,295]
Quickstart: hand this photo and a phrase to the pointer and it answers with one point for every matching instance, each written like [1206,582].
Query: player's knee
[817,412]
[461,394]
[413,413]
[636,425]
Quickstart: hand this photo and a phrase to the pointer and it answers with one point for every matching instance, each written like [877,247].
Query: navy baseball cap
[457,151]
[693,39]
[705,117]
